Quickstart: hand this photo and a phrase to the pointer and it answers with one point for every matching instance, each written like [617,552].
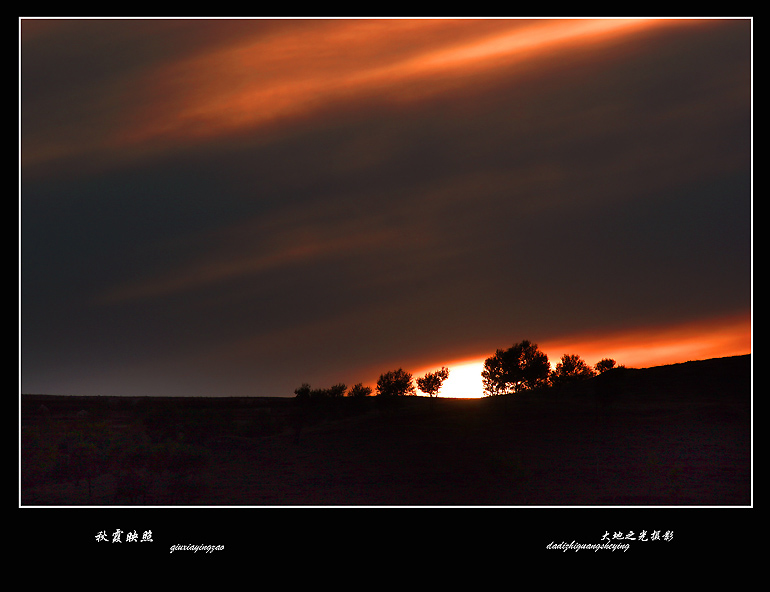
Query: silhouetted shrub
[571,368]
[302,392]
[396,383]
[603,365]
[359,390]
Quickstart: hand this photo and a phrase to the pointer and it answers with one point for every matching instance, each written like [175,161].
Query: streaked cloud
[285,74]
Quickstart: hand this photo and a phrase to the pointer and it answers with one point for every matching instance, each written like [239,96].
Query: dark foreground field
[673,435]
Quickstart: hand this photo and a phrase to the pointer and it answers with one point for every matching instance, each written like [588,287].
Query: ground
[675,435]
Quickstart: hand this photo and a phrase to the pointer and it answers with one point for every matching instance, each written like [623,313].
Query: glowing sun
[464,380]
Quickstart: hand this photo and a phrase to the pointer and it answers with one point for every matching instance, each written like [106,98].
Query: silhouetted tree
[396,383]
[604,365]
[521,367]
[338,390]
[431,383]
[334,392]
[303,392]
[570,368]
[495,374]
[318,394]
[359,390]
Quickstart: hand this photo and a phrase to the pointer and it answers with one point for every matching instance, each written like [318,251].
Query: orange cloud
[285,76]
[298,70]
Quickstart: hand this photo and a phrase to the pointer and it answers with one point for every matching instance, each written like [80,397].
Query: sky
[234,207]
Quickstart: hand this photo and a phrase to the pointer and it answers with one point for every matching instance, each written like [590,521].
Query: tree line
[395,383]
[524,367]
[521,367]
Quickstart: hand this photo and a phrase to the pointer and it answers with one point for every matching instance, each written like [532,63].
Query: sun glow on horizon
[642,348]
[464,379]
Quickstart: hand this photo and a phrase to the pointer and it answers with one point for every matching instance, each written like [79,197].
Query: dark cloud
[602,188]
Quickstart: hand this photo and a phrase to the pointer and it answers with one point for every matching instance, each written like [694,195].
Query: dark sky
[234,207]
